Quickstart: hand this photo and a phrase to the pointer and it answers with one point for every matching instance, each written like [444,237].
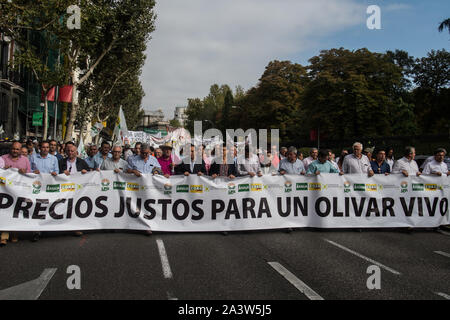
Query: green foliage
[175,123]
[444,25]
[275,103]
[344,93]
[432,94]
[210,110]
[115,31]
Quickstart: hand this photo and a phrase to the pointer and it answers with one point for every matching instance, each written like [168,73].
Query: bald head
[116,152]
[71,151]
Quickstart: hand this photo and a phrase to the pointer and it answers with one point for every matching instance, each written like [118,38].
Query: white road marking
[164,259]
[30,290]
[363,257]
[296,282]
[443,232]
[445,254]
[446,296]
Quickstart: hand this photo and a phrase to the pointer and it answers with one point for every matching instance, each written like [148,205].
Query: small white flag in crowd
[121,130]
[95,130]
[81,150]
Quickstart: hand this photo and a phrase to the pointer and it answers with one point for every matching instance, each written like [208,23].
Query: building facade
[180,115]
[153,122]
[12,91]
[20,93]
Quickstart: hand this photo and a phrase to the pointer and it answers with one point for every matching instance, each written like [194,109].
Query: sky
[198,43]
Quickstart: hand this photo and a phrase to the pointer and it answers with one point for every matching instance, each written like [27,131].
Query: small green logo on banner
[184,188]
[287,186]
[243,188]
[105,185]
[37,187]
[52,188]
[301,186]
[359,187]
[347,187]
[231,188]
[167,188]
[404,186]
[418,187]
[119,185]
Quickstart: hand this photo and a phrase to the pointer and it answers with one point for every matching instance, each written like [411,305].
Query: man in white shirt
[427,160]
[357,162]
[115,163]
[291,165]
[249,164]
[407,165]
[313,154]
[437,166]
[331,157]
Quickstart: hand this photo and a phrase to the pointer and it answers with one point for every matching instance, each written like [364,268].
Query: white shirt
[352,164]
[427,160]
[404,164]
[307,162]
[245,166]
[110,164]
[390,162]
[335,164]
[434,166]
[292,168]
[72,166]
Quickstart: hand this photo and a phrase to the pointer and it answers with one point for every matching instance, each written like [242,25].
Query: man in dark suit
[187,167]
[224,167]
[72,164]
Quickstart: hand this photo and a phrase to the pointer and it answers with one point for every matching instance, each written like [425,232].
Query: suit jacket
[186,167]
[80,164]
[215,169]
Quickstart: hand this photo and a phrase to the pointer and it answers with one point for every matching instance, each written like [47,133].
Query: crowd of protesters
[62,158]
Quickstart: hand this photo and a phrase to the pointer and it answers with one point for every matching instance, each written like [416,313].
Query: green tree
[353,93]
[175,123]
[227,104]
[275,103]
[444,25]
[432,94]
[105,26]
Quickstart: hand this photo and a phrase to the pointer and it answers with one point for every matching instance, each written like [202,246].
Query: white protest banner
[106,200]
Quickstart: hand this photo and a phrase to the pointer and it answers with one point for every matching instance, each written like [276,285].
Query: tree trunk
[73,114]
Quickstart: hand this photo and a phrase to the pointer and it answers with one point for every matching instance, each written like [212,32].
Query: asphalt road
[269,265]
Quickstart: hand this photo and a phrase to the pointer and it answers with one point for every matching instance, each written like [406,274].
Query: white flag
[95,130]
[120,131]
[81,150]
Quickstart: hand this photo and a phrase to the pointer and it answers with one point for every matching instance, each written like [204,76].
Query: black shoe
[148,233]
[225,233]
[289,230]
[36,237]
